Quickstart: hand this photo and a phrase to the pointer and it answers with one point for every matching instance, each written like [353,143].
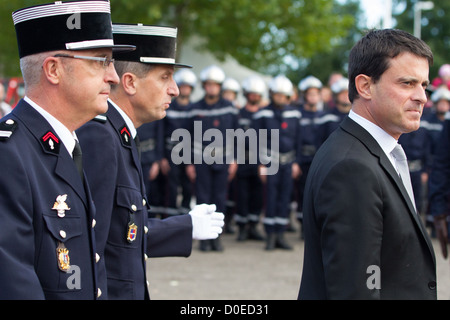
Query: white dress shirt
[384,139]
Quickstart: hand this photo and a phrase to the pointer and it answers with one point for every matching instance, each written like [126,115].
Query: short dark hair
[371,55]
[137,68]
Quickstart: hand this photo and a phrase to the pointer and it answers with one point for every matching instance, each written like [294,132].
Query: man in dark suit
[126,237]
[363,235]
[47,241]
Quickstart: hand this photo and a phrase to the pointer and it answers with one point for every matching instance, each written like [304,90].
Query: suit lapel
[372,145]
[123,131]
[52,146]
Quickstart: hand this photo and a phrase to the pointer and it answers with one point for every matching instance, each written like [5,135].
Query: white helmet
[254,84]
[440,94]
[444,71]
[185,76]
[231,84]
[309,82]
[281,84]
[340,85]
[212,73]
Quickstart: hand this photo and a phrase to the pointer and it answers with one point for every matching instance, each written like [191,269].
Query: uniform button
[144,202]
[145,229]
[97,257]
[133,207]
[62,233]
[93,223]
[99,293]
[10,122]
[432,285]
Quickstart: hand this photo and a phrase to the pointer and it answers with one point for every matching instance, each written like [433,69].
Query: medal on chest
[131,229]
[62,255]
[61,206]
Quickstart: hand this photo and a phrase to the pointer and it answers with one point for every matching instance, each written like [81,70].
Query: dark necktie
[77,158]
[138,145]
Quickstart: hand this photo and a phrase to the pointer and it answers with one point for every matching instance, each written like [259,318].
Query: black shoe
[205,245]
[281,243]
[243,234]
[270,242]
[216,244]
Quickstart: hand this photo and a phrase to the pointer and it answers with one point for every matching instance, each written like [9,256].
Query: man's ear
[129,83]
[51,69]
[363,85]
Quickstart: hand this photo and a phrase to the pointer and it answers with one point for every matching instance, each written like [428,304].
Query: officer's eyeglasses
[104,60]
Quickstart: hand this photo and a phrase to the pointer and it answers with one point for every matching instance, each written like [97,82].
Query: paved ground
[244,271]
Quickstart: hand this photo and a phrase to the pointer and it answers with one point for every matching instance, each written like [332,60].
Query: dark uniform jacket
[125,234]
[439,183]
[285,121]
[220,116]
[37,170]
[359,220]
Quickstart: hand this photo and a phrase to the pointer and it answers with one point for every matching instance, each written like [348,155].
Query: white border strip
[157,60]
[5,134]
[60,8]
[140,29]
[89,44]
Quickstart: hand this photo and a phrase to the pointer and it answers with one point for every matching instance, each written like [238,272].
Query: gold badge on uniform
[132,232]
[62,255]
[61,206]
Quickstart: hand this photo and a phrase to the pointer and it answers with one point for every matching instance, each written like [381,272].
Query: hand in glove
[440,224]
[206,222]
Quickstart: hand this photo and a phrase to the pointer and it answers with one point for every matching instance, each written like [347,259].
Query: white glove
[206,222]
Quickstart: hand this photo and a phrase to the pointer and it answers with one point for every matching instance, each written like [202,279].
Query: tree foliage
[435,28]
[258,34]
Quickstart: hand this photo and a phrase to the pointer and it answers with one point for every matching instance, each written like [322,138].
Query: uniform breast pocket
[62,246]
[63,229]
[128,218]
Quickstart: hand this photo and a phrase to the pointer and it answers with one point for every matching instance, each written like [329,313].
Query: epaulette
[7,128]
[101,118]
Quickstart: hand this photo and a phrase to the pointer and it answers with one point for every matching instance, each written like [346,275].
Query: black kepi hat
[154,44]
[71,25]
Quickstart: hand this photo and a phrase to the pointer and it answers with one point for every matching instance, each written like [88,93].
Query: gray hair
[31,67]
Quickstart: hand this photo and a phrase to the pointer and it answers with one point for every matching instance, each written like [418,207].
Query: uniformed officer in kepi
[47,216]
[127,237]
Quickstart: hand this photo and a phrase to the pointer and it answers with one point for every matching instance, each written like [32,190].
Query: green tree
[435,28]
[335,59]
[258,34]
